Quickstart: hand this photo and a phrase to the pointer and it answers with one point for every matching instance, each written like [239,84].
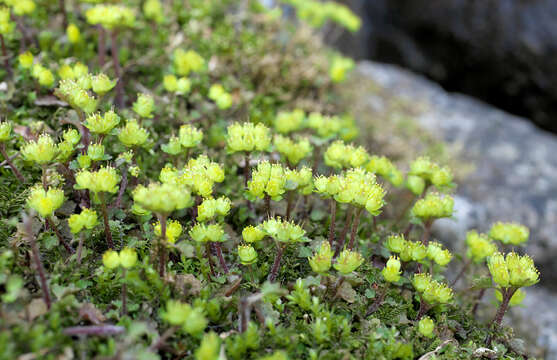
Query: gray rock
[514,179]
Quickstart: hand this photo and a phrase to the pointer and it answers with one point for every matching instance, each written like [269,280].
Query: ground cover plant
[180,180]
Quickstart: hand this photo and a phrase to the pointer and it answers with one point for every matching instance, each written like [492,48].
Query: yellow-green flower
[101,84]
[391,272]
[26,60]
[396,243]
[293,151]
[45,202]
[426,326]
[87,219]
[162,198]
[247,254]
[479,246]
[173,230]
[286,122]
[516,299]
[433,206]
[133,134]
[111,259]
[73,34]
[321,261]
[248,137]
[348,261]
[106,179]
[5,131]
[170,83]
[187,61]
[436,253]
[102,125]
[252,234]
[144,105]
[128,257]
[190,136]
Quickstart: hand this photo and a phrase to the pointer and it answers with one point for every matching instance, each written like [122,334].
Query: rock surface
[514,178]
[502,51]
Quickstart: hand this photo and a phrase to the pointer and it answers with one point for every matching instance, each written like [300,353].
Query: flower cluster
[283,231]
[200,175]
[432,291]
[289,121]
[316,13]
[340,155]
[293,151]
[439,255]
[382,166]
[102,125]
[267,179]
[252,234]
[248,137]
[75,93]
[133,134]
[211,208]
[173,230]
[162,198]
[426,326]
[189,136]
[187,61]
[512,270]
[190,319]
[220,96]
[5,131]
[45,202]
[428,171]
[126,258]
[110,16]
[201,233]
[87,219]
[6,26]
[325,126]
[433,206]
[509,233]
[105,179]
[144,106]
[480,246]
[321,261]
[40,151]
[180,86]
[299,180]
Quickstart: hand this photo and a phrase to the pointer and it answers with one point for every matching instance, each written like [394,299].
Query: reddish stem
[289,204]
[333,220]
[101,46]
[427,232]
[276,264]
[209,259]
[162,247]
[80,247]
[246,170]
[64,14]
[37,258]
[347,224]
[124,293]
[10,163]
[52,226]
[107,232]
[117,70]
[5,56]
[218,249]
[355,228]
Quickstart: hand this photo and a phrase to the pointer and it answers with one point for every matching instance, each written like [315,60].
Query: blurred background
[480,75]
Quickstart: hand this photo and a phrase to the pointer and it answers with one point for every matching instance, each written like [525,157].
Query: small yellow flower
[111,259]
[73,34]
[348,261]
[426,326]
[45,202]
[133,134]
[26,60]
[391,272]
[41,151]
[509,233]
[247,254]
[128,257]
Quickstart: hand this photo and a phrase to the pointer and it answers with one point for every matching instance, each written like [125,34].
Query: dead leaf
[346,292]
[89,312]
[36,308]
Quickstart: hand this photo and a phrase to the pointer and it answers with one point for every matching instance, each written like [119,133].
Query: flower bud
[46,78]
[247,254]
[73,34]
[498,269]
[72,136]
[86,219]
[190,136]
[421,282]
[186,62]
[442,177]
[5,131]
[321,261]
[339,67]
[433,206]
[391,272]
[173,230]
[415,184]
[170,83]
[111,259]
[66,72]
[396,243]
[173,147]
[479,246]
[84,161]
[287,122]
[183,86]
[95,152]
[26,60]
[436,253]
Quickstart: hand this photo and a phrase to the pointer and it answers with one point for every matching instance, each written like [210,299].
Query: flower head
[391,272]
[479,246]
[321,261]
[87,219]
[45,202]
[348,261]
[509,233]
[247,254]
[41,151]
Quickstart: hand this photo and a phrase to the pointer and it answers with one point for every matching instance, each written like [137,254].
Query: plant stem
[101,46]
[43,178]
[427,232]
[507,294]
[117,70]
[10,163]
[276,263]
[342,238]
[268,206]
[52,226]
[94,330]
[464,267]
[162,246]
[124,293]
[107,232]
[209,259]
[423,309]
[477,302]
[64,14]
[80,247]
[218,249]
[37,258]
[355,228]
[5,56]
[289,204]
[333,220]
[246,170]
